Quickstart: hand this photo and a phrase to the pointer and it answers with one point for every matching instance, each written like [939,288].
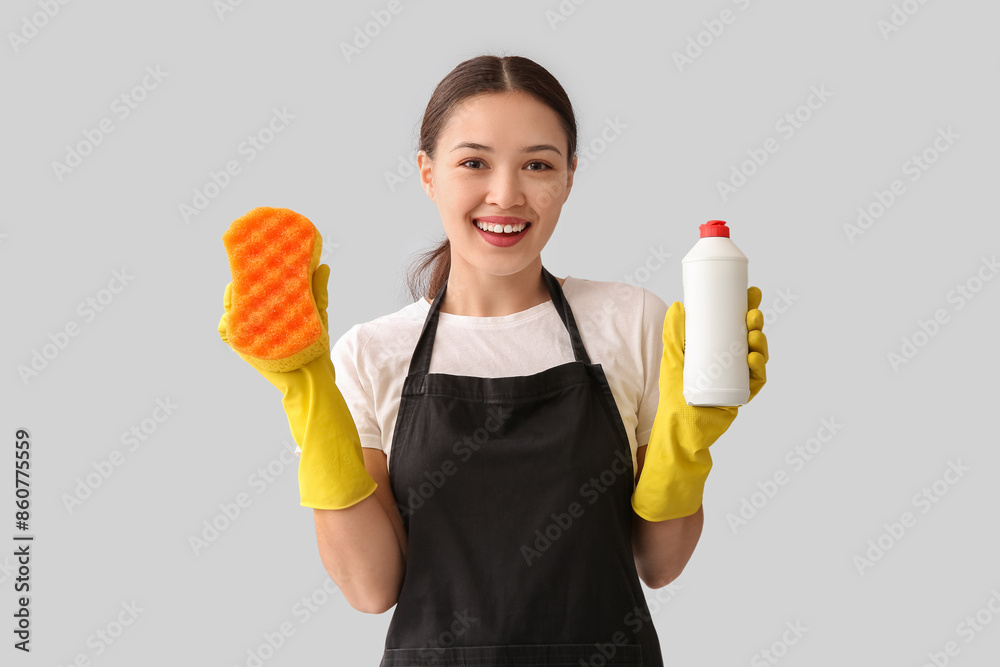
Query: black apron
[515,494]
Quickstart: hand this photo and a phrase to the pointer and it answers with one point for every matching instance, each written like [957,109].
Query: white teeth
[506,229]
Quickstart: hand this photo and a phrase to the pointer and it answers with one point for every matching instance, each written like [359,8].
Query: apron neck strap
[420,363]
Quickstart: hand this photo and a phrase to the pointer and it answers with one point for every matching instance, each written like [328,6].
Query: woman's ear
[569,180]
[426,176]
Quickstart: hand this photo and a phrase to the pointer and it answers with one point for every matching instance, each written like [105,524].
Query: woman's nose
[505,189]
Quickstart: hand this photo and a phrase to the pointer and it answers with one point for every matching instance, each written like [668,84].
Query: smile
[502,236]
[501,229]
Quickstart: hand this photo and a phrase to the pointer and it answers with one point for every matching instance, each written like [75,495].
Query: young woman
[476,462]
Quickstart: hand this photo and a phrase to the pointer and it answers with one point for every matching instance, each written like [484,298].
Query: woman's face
[515,167]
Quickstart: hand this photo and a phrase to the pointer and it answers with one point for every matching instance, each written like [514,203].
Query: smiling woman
[472,458]
[501,177]
[498,144]
[504,438]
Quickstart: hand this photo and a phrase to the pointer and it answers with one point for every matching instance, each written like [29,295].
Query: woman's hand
[677,458]
[756,342]
[332,473]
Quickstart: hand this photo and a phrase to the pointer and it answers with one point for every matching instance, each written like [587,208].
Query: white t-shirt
[621,326]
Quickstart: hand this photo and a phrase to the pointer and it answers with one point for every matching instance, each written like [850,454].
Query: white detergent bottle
[714,276]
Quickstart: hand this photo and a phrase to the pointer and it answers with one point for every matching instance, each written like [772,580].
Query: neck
[474,293]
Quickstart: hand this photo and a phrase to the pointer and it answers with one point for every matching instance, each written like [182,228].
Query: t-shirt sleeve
[654,311]
[355,386]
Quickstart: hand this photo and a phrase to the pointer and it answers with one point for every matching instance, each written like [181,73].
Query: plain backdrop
[878,272]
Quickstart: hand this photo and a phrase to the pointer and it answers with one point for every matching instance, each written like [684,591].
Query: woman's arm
[663,548]
[363,547]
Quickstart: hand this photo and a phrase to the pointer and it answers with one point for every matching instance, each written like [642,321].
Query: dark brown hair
[482,74]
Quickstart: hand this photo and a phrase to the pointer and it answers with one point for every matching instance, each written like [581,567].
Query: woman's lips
[501,239]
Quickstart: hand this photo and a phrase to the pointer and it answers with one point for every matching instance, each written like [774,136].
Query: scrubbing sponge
[273,322]
[275,318]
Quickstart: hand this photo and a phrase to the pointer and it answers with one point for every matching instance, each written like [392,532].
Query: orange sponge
[273,321]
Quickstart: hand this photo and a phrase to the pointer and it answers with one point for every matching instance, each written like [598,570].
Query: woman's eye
[542,166]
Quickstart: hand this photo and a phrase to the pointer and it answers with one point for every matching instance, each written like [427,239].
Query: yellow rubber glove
[677,460]
[332,472]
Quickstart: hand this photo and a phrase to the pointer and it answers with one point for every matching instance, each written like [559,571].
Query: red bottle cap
[714,228]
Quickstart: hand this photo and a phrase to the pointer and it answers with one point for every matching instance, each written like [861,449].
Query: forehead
[508,117]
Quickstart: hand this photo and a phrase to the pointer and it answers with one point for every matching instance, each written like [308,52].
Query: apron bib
[515,495]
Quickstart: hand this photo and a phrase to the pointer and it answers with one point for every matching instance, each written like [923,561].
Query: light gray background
[846,305]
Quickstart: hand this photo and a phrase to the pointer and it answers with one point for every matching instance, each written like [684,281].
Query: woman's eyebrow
[489,149]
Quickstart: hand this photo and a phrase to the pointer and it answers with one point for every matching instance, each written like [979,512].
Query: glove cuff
[675,493]
[332,472]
